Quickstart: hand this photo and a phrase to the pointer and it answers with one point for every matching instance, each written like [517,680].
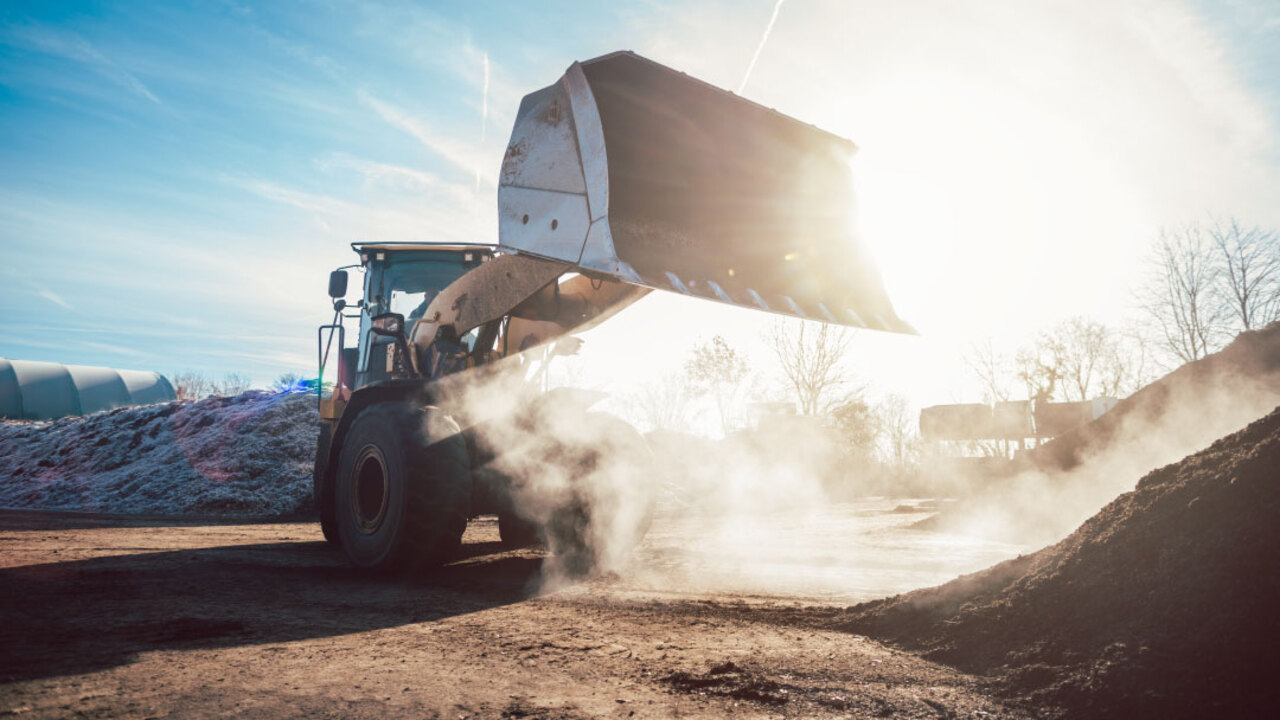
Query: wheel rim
[370,491]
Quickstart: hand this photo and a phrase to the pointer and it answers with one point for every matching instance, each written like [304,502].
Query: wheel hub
[370,491]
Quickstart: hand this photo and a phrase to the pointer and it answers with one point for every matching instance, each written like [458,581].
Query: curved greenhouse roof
[45,391]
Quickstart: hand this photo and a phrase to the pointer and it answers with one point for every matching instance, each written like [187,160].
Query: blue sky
[176,179]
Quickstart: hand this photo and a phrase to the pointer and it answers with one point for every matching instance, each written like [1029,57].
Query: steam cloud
[1058,486]
[767,511]
[785,509]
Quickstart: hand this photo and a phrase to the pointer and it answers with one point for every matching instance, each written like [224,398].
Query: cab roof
[416,246]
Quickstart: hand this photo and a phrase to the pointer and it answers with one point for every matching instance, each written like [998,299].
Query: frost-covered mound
[250,454]
[1162,605]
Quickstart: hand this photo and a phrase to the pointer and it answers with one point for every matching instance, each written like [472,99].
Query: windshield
[411,305]
[409,286]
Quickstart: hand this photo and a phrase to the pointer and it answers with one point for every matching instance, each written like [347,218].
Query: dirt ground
[110,617]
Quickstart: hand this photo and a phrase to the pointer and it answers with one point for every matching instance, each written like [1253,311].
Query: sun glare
[978,204]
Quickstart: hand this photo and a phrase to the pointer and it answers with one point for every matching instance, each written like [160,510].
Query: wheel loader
[623,177]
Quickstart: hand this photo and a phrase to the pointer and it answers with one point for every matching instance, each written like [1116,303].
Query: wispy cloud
[439,43]
[397,177]
[462,155]
[51,296]
[310,202]
[115,349]
[484,115]
[484,100]
[297,50]
[71,46]
[763,39]
[387,216]
[165,332]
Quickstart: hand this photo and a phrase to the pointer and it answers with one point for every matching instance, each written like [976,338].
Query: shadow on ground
[86,615]
[39,520]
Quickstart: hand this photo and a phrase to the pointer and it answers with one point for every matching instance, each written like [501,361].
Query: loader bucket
[631,170]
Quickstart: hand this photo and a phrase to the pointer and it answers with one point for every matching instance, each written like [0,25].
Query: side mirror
[338,284]
[388,325]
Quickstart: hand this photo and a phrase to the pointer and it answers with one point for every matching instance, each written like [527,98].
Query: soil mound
[1247,368]
[1052,489]
[1161,605]
[246,455]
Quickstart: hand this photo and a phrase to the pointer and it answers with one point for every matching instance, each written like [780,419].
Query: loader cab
[402,279]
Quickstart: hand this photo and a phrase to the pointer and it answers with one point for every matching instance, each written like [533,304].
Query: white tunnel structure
[45,391]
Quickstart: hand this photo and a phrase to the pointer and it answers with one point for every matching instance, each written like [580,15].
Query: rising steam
[1056,487]
[785,509]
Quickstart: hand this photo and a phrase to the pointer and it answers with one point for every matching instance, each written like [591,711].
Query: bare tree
[897,431]
[857,425]
[1087,348]
[190,385]
[1126,365]
[991,369]
[1249,266]
[1081,358]
[662,404]
[232,384]
[810,356]
[718,370]
[1041,366]
[1180,292]
[288,382]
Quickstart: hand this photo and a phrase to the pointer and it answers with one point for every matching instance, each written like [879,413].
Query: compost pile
[1161,605]
[1223,391]
[245,455]
[1048,491]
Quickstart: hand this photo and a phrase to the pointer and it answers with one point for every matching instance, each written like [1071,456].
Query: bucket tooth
[677,284]
[827,313]
[719,291]
[759,301]
[795,309]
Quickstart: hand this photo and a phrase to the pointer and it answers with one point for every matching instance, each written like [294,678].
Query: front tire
[403,488]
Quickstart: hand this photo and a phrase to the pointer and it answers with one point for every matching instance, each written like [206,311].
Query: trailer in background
[1016,422]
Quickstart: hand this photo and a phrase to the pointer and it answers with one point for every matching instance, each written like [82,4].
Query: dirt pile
[1050,490]
[1161,605]
[1248,368]
[246,455]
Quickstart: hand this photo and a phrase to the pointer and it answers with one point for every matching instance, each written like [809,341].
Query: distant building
[46,391]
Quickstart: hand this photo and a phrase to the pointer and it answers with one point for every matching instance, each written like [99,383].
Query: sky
[178,178]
